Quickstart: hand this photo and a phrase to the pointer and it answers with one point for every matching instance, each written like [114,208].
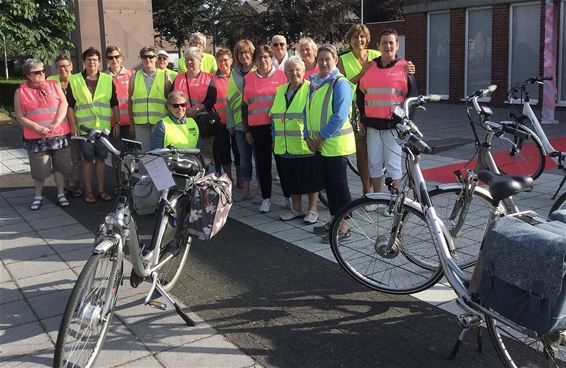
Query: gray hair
[308,41]
[330,48]
[280,36]
[197,36]
[29,64]
[295,60]
[174,95]
[193,52]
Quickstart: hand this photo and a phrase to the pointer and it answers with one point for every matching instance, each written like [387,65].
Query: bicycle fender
[386,196]
[451,186]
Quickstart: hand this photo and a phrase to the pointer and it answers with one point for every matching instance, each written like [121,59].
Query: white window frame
[444,97]
[532,101]
[562,53]
[482,99]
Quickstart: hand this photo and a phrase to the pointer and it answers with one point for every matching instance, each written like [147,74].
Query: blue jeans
[245,156]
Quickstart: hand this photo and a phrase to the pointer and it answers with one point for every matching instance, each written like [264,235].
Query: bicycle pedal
[135,280]
[469,321]
[156,304]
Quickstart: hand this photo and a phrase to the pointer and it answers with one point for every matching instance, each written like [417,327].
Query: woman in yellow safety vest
[299,167]
[176,129]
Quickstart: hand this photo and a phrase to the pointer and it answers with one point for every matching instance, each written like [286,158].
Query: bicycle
[544,147]
[390,253]
[91,305]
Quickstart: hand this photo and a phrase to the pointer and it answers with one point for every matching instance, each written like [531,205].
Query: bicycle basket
[210,205]
[521,272]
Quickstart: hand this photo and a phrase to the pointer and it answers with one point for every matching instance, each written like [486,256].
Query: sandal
[77,193]
[62,201]
[36,203]
[103,196]
[89,198]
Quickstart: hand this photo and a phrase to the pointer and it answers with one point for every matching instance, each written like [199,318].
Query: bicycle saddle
[503,186]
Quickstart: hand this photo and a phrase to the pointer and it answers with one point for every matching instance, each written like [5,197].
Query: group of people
[297,109]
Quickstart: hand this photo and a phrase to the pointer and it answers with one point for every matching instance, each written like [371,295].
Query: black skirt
[300,175]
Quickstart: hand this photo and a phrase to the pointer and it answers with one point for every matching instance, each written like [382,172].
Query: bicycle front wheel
[517,350]
[464,221]
[392,254]
[88,313]
[520,156]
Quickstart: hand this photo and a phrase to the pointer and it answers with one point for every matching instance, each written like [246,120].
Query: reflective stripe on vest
[198,88]
[41,114]
[149,107]
[352,66]
[122,83]
[92,111]
[288,122]
[319,110]
[207,64]
[221,84]
[259,94]
[180,135]
[383,89]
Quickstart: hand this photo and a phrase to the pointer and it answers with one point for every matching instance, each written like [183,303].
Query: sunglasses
[281,44]
[179,105]
[113,57]
[147,57]
[63,66]
[162,58]
[38,72]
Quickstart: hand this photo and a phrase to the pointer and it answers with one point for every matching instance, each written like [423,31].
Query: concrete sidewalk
[42,253]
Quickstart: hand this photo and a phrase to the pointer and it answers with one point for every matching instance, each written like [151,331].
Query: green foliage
[38,28]
[229,20]
[383,11]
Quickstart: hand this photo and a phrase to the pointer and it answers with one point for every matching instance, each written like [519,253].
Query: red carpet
[445,174]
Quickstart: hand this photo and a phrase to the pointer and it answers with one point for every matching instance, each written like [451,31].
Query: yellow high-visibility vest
[149,107]
[180,135]
[92,111]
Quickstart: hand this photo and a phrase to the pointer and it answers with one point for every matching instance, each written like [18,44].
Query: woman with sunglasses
[41,108]
[176,129]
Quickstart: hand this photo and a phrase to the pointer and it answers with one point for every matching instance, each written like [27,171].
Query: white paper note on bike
[159,172]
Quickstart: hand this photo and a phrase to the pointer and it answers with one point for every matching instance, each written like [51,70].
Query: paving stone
[35,267]
[48,283]
[15,313]
[4,274]
[17,248]
[210,352]
[51,304]
[9,292]
[77,258]
[59,222]
[73,231]
[146,362]
[42,358]
[14,229]
[22,340]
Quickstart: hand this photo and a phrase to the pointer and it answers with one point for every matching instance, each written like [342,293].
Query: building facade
[463,45]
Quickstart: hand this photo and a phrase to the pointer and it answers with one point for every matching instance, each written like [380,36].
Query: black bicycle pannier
[521,272]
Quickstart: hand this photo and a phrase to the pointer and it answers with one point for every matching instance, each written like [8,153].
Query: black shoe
[322,229]
[341,236]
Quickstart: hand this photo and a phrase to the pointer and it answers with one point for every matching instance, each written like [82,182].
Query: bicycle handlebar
[173,150]
[409,129]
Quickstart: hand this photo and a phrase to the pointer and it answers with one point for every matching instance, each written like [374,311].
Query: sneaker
[265,205]
[240,195]
[322,229]
[288,204]
[257,198]
[290,215]
[311,218]
[341,236]
[370,207]
[386,212]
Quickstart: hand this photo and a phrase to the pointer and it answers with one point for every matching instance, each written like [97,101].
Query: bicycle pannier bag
[521,272]
[145,196]
[559,215]
[210,205]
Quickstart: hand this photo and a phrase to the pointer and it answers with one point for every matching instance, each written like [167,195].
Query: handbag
[145,196]
[208,121]
[521,272]
[210,205]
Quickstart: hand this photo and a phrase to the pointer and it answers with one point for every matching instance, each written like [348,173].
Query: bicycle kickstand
[469,322]
[157,288]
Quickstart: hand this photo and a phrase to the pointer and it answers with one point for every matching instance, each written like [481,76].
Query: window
[438,53]
[562,57]
[524,44]
[478,49]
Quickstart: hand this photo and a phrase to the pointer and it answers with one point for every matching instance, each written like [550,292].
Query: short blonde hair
[243,45]
[193,52]
[176,94]
[295,60]
[197,36]
[308,41]
[357,29]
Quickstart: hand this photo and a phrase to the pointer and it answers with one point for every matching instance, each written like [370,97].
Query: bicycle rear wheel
[522,157]
[466,225]
[517,350]
[84,328]
[410,266]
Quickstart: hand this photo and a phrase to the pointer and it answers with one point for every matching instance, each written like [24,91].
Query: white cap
[162,52]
